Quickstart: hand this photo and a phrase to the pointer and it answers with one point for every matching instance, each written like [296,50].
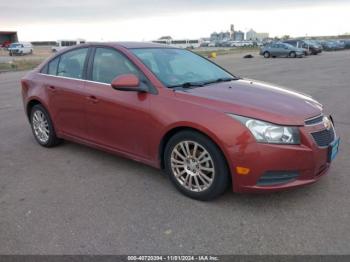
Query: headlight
[265,132]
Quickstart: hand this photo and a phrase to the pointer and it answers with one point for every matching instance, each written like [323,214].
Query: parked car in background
[20,48]
[333,45]
[279,49]
[313,47]
[328,45]
[6,44]
[61,44]
[299,44]
[339,44]
[346,43]
[173,109]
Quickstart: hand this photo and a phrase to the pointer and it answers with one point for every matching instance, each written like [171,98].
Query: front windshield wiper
[197,84]
[218,80]
[187,85]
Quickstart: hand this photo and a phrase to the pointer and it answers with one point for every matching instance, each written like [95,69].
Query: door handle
[92,99]
[52,89]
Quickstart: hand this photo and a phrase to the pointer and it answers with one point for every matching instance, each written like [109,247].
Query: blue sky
[147,20]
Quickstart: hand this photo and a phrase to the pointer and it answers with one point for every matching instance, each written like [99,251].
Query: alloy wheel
[41,126]
[192,166]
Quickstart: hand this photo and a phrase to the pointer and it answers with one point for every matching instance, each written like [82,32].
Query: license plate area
[333,150]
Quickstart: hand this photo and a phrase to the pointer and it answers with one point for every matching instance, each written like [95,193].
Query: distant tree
[285,37]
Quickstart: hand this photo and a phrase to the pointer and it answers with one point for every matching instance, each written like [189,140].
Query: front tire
[42,127]
[292,54]
[266,54]
[196,166]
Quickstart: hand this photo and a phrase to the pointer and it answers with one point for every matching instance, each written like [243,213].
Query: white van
[60,44]
[20,48]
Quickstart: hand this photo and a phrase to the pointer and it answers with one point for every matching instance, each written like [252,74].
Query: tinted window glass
[108,64]
[72,63]
[53,66]
[44,69]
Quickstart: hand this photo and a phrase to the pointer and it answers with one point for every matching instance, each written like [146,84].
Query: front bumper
[14,51]
[308,160]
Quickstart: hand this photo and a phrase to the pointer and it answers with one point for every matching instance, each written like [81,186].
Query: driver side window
[108,64]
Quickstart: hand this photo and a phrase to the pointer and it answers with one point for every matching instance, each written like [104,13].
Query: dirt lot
[38,52]
[77,200]
[25,62]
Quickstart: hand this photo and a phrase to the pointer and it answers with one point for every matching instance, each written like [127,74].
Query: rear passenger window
[72,63]
[52,67]
[108,64]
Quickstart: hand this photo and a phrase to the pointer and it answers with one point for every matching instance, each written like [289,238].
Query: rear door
[282,50]
[65,87]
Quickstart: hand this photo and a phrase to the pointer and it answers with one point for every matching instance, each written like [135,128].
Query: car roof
[130,45]
[127,45]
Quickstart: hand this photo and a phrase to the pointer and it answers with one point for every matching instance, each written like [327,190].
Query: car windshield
[15,45]
[179,67]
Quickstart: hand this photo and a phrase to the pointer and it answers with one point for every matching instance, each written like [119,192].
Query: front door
[116,119]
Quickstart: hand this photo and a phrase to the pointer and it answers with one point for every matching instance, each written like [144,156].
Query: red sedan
[175,110]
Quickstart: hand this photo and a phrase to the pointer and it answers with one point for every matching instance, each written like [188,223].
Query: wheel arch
[37,101]
[31,104]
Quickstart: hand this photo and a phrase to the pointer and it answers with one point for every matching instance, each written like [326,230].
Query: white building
[254,36]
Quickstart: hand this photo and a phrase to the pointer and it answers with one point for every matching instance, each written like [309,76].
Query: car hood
[257,100]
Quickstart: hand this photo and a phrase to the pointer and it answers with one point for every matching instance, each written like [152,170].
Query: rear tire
[292,54]
[42,127]
[266,54]
[196,166]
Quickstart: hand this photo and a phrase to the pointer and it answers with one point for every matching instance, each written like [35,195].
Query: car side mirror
[127,82]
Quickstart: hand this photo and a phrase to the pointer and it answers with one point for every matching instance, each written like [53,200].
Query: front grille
[314,120]
[324,137]
[271,178]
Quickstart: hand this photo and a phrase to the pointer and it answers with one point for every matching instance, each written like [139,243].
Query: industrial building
[238,36]
[7,37]
[254,36]
[222,36]
[228,35]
